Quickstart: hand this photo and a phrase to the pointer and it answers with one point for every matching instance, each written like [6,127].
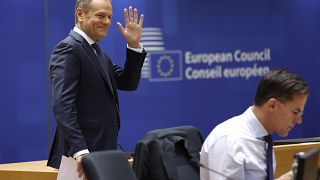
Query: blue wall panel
[23,74]
[288,30]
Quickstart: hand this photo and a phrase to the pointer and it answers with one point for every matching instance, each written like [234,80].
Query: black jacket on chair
[168,154]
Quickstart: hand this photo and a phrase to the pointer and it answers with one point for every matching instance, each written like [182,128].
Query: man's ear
[271,104]
[79,14]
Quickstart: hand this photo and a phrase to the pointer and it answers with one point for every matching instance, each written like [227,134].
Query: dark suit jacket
[86,108]
[168,154]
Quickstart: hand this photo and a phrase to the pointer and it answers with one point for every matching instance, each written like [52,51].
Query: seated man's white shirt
[236,150]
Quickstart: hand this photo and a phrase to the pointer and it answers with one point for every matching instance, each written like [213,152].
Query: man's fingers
[80,173]
[135,18]
[79,166]
[120,28]
[141,20]
[125,14]
[79,169]
[130,14]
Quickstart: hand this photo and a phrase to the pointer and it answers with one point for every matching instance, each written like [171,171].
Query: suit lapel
[95,61]
[107,70]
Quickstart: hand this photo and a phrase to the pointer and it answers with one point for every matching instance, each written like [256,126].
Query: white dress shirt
[236,150]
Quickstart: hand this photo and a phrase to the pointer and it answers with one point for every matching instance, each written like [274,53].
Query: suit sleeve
[128,78]
[64,72]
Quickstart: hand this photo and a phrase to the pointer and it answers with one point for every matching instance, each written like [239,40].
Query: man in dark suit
[85,81]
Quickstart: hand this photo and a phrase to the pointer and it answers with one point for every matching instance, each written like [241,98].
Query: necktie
[96,48]
[103,64]
[269,153]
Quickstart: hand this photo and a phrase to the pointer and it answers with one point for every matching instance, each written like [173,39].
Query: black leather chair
[105,165]
[168,154]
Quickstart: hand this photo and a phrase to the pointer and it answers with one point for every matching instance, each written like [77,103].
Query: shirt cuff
[79,153]
[139,50]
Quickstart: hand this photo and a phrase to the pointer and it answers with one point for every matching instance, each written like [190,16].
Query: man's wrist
[80,153]
[139,50]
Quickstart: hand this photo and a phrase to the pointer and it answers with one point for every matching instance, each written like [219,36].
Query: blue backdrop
[205,60]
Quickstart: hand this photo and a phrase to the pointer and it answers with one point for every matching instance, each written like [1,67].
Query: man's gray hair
[84,5]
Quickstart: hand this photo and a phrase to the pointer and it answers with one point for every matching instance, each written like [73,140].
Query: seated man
[237,148]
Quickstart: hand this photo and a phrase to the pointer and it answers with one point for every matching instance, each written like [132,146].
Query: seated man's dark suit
[86,108]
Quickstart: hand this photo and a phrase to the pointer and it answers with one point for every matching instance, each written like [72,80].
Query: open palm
[133,28]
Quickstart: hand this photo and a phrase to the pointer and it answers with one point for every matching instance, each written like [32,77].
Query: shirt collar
[84,35]
[255,126]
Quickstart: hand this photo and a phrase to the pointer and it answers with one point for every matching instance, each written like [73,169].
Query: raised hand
[132,31]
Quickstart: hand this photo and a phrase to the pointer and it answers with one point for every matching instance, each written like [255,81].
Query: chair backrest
[164,154]
[104,165]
